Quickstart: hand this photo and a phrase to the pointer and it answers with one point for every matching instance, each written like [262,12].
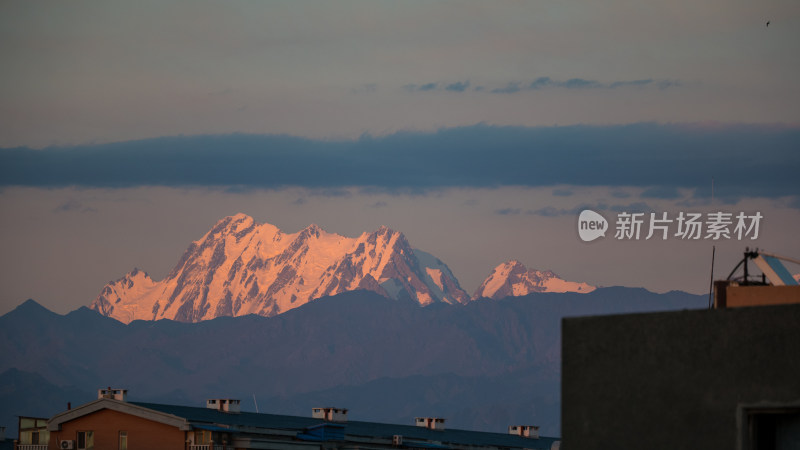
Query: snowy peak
[110,301]
[512,278]
[241,267]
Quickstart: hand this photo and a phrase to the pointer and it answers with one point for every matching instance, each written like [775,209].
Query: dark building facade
[700,379]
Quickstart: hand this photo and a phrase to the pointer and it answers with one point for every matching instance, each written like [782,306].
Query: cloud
[662,192]
[548,211]
[579,83]
[331,193]
[551,211]
[510,88]
[563,192]
[74,206]
[428,87]
[508,211]
[239,189]
[513,87]
[666,84]
[661,84]
[745,160]
[541,82]
[637,207]
[620,194]
[422,87]
[457,86]
[379,204]
[401,191]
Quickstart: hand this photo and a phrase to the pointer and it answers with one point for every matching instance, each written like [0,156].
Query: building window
[24,437]
[85,440]
[775,427]
[202,437]
[123,440]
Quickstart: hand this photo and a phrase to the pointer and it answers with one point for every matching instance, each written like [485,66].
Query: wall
[142,434]
[738,296]
[676,379]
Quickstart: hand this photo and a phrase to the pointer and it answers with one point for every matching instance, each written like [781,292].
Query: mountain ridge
[512,278]
[241,267]
[331,348]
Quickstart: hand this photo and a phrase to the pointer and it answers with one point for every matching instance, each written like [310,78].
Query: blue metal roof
[323,432]
[422,444]
[212,416]
[413,436]
[205,426]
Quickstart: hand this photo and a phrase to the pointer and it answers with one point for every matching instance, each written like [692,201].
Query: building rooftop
[202,418]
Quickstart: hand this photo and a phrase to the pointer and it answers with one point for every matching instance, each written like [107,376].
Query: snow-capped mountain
[241,267]
[513,279]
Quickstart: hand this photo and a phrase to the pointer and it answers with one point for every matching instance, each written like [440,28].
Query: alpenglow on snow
[240,267]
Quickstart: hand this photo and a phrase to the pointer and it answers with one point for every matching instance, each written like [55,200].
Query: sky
[478,129]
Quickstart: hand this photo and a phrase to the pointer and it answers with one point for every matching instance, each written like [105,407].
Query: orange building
[112,424]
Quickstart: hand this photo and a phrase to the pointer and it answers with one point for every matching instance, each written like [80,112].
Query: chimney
[115,394]
[528,431]
[431,423]
[228,405]
[329,414]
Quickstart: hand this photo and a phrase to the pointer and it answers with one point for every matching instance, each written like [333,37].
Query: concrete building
[726,378]
[722,378]
[524,430]
[109,423]
[330,414]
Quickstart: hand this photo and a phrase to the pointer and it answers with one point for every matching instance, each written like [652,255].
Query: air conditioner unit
[66,445]
[397,440]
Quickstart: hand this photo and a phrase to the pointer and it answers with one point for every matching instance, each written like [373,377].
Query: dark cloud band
[744,160]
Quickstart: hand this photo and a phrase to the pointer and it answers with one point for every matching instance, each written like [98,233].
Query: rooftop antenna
[745,280]
[713,254]
[711,285]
